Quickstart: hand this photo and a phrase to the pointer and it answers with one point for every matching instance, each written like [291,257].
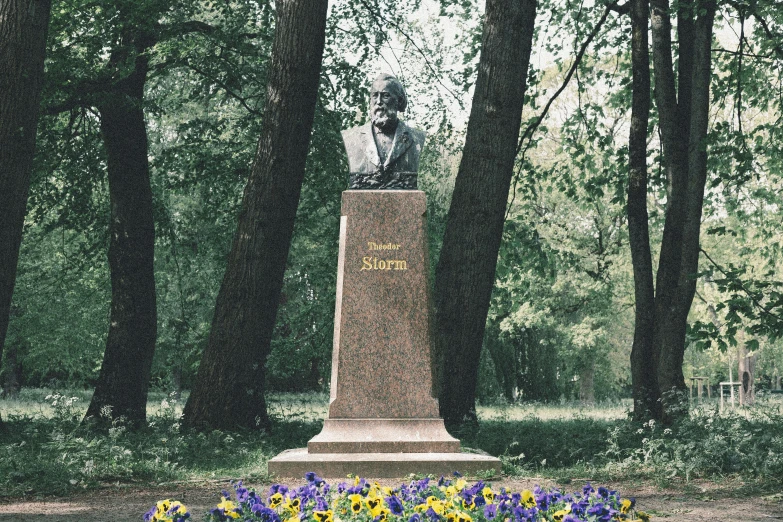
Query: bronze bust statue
[384,153]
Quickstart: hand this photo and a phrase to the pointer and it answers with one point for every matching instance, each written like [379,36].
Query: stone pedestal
[383,419]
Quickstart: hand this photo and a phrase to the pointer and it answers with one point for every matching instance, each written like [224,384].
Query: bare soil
[692,502]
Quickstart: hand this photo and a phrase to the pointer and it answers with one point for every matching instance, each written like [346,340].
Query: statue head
[387,98]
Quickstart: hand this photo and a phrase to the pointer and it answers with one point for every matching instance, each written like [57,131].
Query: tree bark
[23,28]
[505,363]
[11,374]
[643,357]
[587,384]
[121,390]
[229,391]
[683,125]
[465,273]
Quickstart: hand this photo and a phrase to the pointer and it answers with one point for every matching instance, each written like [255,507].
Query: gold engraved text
[373,263]
[371,245]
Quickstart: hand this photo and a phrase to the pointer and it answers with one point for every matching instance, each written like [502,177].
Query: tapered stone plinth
[383,418]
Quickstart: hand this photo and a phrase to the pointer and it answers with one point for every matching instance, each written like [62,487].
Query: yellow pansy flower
[437,506]
[292,505]
[228,507]
[323,516]
[625,506]
[489,495]
[528,499]
[375,504]
[275,500]
[450,491]
[162,508]
[458,516]
[460,484]
[463,517]
[356,503]
[560,515]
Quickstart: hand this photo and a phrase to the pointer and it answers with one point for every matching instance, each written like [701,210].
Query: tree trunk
[684,129]
[746,373]
[587,384]
[23,27]
[11,372]
[643,360]
[505,362]
[229,391]
[465,273]
[127,362]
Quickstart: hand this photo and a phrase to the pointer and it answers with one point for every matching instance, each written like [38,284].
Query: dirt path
[698,502]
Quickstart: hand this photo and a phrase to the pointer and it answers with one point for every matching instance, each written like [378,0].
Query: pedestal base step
[295,463]
[383,436]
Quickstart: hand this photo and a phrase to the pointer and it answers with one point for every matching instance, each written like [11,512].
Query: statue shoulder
[418,135]
[355,131]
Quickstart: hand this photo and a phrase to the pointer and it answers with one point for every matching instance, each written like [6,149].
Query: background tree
[466,267]
[645,384]
[23,28]
[125,372]
[229,391]
[140,42]
[683,109]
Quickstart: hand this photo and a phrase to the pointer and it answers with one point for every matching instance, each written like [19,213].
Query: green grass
[45,451]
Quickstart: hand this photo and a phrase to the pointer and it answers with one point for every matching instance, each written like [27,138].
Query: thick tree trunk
[684,130]
[11,373]
[229,391]
[505,363]
[127,362]
[23,27]
[465,273]
[587,385]
[643,357]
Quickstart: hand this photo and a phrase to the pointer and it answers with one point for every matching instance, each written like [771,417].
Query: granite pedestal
[383,418]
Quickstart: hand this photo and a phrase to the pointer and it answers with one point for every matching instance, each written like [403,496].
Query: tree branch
[80,96]
[530,129]
[225,87]
[374,12]
[736,53]
[762,22]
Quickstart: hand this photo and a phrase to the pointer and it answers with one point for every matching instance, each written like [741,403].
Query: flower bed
[423,500]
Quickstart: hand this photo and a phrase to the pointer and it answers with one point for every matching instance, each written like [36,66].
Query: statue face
[384,106]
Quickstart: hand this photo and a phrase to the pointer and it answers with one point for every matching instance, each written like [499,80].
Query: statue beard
[385,119]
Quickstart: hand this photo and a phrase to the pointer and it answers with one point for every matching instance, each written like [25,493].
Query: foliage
[559,309]
[44,451]
[203,99]
[704,444]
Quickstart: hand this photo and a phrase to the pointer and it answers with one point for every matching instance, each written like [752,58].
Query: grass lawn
[45,452]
